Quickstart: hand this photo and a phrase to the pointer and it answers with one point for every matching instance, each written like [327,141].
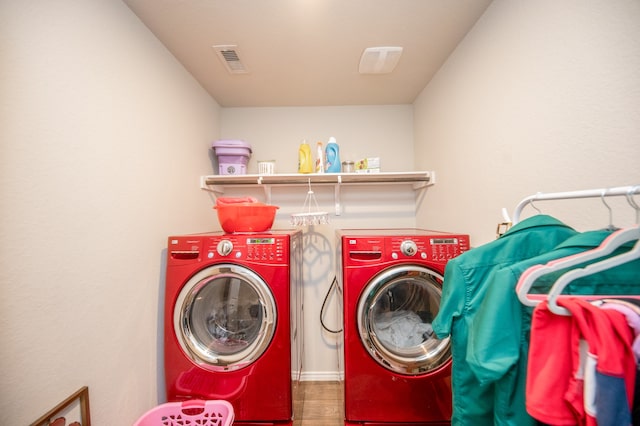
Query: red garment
[564,350]
[549,367]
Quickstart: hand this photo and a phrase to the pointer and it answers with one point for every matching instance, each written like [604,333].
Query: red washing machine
[233,322]
[396,371]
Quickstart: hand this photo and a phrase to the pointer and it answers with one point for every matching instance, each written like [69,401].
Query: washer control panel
[260,248]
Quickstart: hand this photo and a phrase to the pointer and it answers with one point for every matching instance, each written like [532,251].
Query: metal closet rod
[587,193]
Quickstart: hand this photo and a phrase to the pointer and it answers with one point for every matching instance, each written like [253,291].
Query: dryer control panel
[448,248]
[360,249]
[426,247]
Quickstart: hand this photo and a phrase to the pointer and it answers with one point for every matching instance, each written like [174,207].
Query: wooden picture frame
[77,403]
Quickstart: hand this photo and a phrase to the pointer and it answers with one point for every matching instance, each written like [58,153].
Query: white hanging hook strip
[308,217]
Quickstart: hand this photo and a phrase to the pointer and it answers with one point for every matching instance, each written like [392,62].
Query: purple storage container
[232,155]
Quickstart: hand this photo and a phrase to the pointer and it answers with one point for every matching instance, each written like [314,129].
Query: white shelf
[217,183]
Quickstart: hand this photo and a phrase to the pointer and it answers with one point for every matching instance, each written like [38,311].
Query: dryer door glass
[225,317]
[395,312]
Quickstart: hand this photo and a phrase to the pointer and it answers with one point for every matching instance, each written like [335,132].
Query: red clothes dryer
[396,371]
[232,322]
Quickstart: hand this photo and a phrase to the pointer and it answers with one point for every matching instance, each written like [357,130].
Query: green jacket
[466,280]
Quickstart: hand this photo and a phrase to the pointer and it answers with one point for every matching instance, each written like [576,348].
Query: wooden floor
[319,404]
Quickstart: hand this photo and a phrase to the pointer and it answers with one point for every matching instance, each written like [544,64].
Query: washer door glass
[395,312]
[225,317]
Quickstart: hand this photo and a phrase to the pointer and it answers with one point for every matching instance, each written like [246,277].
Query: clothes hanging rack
[628,191]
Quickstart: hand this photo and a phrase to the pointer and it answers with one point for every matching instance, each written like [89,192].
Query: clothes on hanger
[498,338]
[582,369]
[487,324]
[631,309]
[596,383]
[466,279]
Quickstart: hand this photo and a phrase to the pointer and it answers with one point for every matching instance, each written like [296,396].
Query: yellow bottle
[305,162]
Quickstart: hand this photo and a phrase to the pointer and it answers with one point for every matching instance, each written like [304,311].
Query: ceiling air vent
[229,56]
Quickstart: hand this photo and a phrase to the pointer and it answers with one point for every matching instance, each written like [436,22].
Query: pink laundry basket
[194,412]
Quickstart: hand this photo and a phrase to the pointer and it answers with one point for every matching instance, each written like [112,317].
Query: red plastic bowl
[246,217]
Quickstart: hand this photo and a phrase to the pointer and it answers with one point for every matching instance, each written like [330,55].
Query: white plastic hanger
[613,241]
[621,237]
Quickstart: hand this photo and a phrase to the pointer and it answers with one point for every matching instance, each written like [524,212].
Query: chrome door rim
[418,360]
[199,353]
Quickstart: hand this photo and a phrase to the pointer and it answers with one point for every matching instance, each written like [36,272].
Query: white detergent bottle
[333,156]
[319,158]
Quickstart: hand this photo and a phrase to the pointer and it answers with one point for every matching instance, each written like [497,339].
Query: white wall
[103,138]
[384,131]
[373,131]
[540,97]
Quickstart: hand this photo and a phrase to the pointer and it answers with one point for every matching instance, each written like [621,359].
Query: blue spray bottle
[332,155]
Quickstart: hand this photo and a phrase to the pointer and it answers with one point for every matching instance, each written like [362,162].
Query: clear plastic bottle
[319,158]
[305,162]
[332,156]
